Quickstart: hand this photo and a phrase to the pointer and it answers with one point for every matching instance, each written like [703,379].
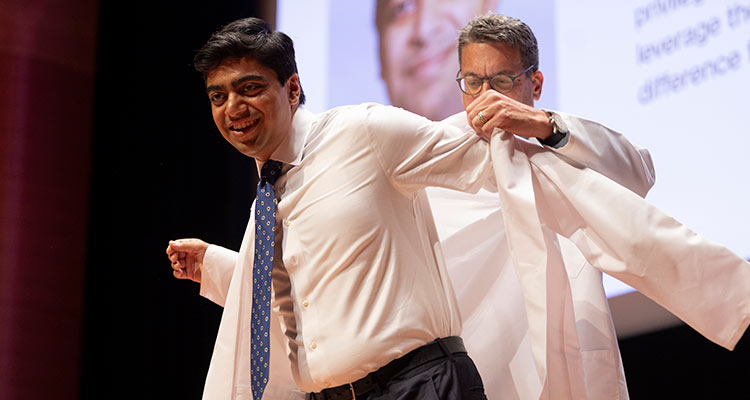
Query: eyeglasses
[502,83]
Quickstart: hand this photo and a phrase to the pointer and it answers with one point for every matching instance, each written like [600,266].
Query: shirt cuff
[556,141]
[560,132]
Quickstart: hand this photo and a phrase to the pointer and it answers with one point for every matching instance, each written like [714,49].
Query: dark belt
[432,351]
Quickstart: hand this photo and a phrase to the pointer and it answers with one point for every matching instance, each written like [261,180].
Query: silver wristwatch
[559,130]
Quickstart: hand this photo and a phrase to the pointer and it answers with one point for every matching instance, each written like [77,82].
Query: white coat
[496,329]
[619,233]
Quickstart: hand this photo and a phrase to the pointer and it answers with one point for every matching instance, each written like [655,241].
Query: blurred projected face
[418,40]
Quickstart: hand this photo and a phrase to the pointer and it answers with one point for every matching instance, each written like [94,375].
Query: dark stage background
[108,151]
[161,171]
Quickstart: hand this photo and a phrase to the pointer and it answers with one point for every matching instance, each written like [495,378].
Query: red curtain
[47,68]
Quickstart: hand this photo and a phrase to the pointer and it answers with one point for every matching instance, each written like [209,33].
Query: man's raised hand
[501,112]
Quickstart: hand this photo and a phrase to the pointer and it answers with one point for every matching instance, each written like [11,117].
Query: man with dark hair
[273,49]
[358,280]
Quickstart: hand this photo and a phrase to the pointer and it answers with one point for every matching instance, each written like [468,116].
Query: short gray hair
[497,28]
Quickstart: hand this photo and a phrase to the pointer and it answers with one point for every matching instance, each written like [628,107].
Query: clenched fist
[186,256]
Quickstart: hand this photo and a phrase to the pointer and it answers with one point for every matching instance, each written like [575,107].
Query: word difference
[668,83]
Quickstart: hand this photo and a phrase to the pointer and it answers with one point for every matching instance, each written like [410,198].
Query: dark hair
[254,38]
[497,28]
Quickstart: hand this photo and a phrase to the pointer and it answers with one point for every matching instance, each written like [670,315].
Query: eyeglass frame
[489,79]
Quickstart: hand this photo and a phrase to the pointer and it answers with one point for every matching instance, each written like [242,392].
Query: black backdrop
[162,171]
[679,363]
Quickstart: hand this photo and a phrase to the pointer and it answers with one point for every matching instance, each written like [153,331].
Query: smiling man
[341,255]
[252,105]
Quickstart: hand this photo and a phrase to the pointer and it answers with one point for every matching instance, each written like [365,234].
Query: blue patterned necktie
[265,235]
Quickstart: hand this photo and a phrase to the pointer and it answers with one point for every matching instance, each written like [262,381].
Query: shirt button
[305,303]
[286,222]
[313,345]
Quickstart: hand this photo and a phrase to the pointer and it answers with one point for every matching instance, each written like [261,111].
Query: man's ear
[537,79]
[294,89]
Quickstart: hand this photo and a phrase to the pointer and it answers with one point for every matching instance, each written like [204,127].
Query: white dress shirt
[363,280]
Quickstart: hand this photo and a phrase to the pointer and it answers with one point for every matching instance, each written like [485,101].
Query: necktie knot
[270,171]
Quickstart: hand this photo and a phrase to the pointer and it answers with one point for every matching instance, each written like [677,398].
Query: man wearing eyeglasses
[494,64]
[500,80]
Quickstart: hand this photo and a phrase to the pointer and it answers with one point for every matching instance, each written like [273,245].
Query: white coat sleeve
[620,233]
[216,274]
[607,152]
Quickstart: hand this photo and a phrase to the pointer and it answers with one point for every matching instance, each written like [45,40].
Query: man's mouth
[244,126]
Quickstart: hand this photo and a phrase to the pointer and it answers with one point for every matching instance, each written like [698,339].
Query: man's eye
[217,98]
[473,82]
[251,89]
[502,80]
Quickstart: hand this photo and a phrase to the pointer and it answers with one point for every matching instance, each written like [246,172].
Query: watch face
[558,126]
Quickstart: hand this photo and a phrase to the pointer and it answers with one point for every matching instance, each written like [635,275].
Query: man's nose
[236,106]
[485,86]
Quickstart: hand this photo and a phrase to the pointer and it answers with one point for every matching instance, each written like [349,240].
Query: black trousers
[449,375]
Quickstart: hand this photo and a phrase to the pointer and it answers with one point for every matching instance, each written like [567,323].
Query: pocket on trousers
[420,386]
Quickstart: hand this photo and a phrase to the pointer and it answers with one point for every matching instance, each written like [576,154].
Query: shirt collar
[290,150]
